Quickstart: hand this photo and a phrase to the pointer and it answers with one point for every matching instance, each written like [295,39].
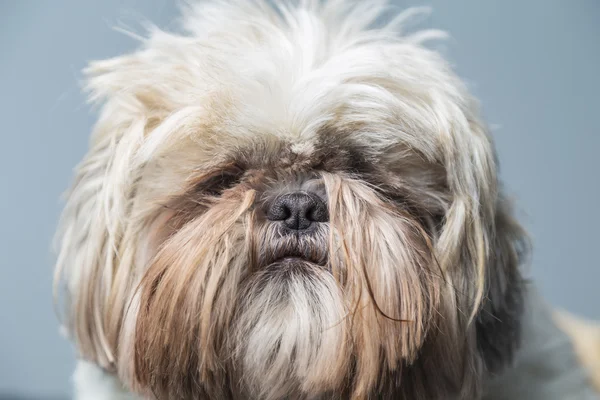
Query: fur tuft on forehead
[246,72]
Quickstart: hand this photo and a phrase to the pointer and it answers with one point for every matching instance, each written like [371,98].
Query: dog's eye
[219,181]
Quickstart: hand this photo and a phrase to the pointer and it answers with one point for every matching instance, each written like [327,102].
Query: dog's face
[291,206]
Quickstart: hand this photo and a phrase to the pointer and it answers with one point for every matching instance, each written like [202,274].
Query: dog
[290,201]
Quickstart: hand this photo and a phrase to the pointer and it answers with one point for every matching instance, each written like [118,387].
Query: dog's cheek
[153,236]
[181,304]
[149,240]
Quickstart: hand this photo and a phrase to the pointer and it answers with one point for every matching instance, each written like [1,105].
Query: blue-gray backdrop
[535,65]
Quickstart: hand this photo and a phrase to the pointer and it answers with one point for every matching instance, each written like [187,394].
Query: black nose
[298,210]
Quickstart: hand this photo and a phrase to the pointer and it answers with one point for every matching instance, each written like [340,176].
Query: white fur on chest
[92,383]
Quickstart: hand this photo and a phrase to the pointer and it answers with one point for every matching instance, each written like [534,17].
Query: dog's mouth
[291,254]
[276,247]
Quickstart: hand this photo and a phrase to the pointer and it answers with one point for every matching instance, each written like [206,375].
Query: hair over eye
[216,182]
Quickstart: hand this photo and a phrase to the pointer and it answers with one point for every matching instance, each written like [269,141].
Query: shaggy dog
[285,202]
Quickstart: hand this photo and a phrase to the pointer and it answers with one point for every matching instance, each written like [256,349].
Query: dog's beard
[242,306]
[289,336]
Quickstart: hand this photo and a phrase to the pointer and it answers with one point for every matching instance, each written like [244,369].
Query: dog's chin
[289,331]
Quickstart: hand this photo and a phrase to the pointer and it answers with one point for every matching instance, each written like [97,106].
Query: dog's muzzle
[298,221]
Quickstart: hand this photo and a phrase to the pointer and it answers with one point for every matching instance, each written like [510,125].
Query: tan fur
[586,340]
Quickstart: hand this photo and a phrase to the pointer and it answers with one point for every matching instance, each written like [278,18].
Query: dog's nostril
[318,212]
[279,211]
[298,210]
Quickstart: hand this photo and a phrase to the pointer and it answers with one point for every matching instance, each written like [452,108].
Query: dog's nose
[298,210]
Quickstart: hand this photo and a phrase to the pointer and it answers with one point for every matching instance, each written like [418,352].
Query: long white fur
[284,95]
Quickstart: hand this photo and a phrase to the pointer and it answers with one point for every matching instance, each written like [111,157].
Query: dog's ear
[498,322]
[115,206]
[496,243]
[480,249]
[94,258]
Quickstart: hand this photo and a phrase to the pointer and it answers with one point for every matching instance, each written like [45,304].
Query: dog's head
[285,203]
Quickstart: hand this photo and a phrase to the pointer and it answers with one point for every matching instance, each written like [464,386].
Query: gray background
[534,64]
